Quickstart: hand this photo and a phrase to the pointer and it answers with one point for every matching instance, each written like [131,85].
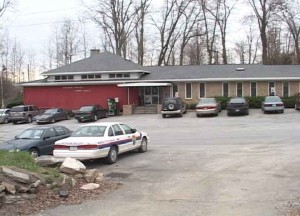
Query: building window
[112,76]
[272,90]
[119,75]
[83,76]
[253,89]
[91,76]
[64,77]
[126,75]
[239,89]
[97,76]
[286,89]
[225,89]
[188,90]
[202,92]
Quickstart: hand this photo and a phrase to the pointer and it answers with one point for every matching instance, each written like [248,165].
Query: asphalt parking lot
[240,165]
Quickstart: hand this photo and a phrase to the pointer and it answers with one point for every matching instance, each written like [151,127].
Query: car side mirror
[133,130]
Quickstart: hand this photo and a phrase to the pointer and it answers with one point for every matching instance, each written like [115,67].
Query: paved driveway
[244,165]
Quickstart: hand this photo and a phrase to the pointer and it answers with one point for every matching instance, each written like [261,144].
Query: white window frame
[204,89]
[186,91]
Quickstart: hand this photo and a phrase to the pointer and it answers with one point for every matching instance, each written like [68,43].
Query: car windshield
[2,112]
[207,101]
[237,100]
[50,111]
[89,131]
[31,134]
[272,99]
[86,108]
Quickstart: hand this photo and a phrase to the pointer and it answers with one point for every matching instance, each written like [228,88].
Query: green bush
[14,103]
[289,102]
[224,101]
[255,102]
[191,106]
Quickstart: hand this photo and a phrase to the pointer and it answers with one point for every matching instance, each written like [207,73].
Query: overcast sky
[33,21]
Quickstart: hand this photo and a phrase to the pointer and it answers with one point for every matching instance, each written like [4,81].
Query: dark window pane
[286,89]
[202,90]
[253,89]
[112,75]
[83,76]
[119,75]
[272,89]
[98,76]
[57,78]
[239,89]
[126,75]
[225,89]
[188,90]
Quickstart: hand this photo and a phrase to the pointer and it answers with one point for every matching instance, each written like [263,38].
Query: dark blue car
[37,140]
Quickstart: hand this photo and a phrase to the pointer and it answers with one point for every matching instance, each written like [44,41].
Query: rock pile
[17,185]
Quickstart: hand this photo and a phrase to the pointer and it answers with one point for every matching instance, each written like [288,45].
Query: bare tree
[191,19]
[116,19]
[210,29]
[291,16]
[221,10]
[264,11]
[4,5]
[172,11]
[142,10]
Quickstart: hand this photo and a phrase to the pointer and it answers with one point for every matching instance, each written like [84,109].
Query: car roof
[102,124]
[45,127]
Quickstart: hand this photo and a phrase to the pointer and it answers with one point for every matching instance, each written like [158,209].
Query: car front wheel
[144,145]
[29,119]
[112,155]
[34,152]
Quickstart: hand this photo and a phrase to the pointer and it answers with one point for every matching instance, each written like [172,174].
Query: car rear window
[89,131]
[170,100]
[207,100]
[272,99]
[19,109]
[237,100]
[86,108]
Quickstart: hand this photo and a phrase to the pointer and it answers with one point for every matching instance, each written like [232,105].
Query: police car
[101,140]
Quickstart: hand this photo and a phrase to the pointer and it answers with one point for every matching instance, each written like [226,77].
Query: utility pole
[2,87]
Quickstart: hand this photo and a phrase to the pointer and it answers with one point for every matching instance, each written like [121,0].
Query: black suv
[23,113]
[173,106]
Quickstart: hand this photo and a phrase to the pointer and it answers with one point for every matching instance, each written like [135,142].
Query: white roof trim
[225,79]
[92,72]
[143,84]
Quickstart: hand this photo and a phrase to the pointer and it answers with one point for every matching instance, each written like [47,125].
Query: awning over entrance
[143,84]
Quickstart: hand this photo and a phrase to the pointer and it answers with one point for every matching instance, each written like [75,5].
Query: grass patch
[23,160]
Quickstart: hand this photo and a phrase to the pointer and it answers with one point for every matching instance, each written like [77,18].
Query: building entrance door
[151,95]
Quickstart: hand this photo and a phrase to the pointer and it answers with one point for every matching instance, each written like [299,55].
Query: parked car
[237,105]
[208,106]
[173,106]
[91,113]
[52,115]
[23,113]
[37,140]
[4,116]
[272,104]
[101,140]
[297,101]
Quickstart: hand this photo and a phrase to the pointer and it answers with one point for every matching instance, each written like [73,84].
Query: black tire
[34,152]
[5,120]
[95,117]
[78,120]
[52,120]
[144,145]
[112,155]
[15,122]
[228,114]
[265,112]
[164,115]
[180,114]
[29,119]
[216,114]
[198,115]
[67,117]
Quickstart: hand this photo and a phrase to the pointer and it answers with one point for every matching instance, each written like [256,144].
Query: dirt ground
[48,198]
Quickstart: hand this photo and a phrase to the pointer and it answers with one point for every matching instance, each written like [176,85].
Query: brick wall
[214,89]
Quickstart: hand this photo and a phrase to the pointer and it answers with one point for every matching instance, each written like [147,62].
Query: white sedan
[101,140]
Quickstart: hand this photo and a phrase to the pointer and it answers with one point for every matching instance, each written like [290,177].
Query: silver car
[272,104]
[208,106]
[4,116]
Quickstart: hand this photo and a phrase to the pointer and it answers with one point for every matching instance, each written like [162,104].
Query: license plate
[237,110]
[73,148]
[82,117]
[274,105]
